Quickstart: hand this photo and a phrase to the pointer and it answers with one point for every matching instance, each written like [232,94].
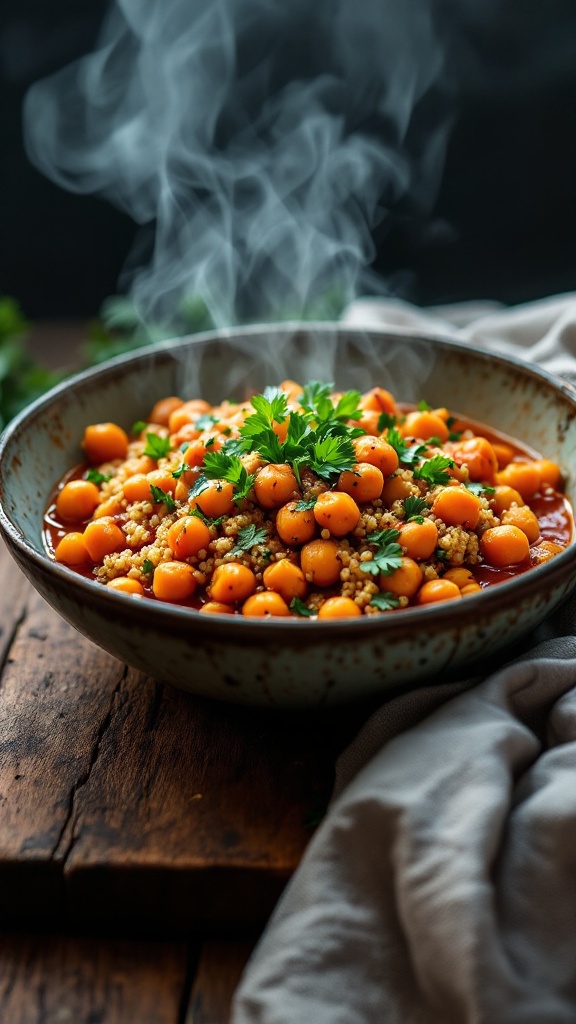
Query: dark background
[503,226]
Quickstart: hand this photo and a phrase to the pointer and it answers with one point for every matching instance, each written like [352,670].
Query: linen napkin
[441,886]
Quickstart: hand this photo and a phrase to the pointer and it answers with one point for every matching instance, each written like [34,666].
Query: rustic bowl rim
[216,625]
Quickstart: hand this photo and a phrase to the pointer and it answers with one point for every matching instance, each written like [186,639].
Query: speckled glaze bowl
[288,663]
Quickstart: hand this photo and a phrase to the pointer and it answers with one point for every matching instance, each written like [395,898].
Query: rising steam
[261,143]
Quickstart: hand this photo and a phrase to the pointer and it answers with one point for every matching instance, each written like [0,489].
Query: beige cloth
[441,886]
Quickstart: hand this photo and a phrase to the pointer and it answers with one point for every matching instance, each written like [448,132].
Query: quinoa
[364,533]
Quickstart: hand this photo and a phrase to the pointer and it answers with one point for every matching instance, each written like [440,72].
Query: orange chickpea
[232,582]
[364,482]
[295,526]
[380,400]
[111,507]
[395,489]
[459,575]
[377,452]
[103,442]
[188,412]
[471,588]
[163,479]
[217,499]
[550,472]
[292,388]
[524,518]
[419,540]
[504,545]
[265,605]
[504,453]
[173,581]
[142,465]
[478,455]
[137,488]
[216,608]
[286,579]
[187,536]
[77,499]
[336,511]
[320,562]
[424,425]
[102,537]
[504,497]
[405,580]
[522,476]
[71,550]
[457,506]
[163,409]
[126,585]
[339,608]
[369,421]
[437,590]
[275,484]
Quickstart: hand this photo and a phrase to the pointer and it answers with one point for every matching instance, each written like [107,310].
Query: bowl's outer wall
[292,664]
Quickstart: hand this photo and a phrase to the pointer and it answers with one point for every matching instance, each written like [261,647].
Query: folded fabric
[441,886]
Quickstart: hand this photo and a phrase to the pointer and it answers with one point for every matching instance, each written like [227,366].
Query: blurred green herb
[22,379]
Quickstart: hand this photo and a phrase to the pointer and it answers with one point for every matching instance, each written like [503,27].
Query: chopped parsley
[205,422]
[385,601]
[388,554]
[221,466]
[424,406]
[95,477]
[158,495]
[199,514]
[248,537]
[408,454]
[433,470]
[138,427]
[386,421]
[479,489]
[298,606]
[147,567]
[413,508]
[305,505]
[156,447]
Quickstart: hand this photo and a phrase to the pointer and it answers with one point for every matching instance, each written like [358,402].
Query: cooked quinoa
[302,502]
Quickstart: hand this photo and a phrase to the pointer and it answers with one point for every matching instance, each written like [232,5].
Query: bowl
[288,663]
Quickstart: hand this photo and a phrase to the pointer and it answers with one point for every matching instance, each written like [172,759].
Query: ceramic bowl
[288,663]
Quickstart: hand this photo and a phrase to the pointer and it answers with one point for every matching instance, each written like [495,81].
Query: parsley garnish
[199,485]
[177,473]
[156,447]
[147,567]
[95,477]
[305,506]
[388,555]
[479,489]
[248,537]
[386,421]
[158,495]
[220,466]
[413,508]
[423,406]
[407,455]
[138,427]
[433,470]
[298,606]
[199,514]
[441,555]
[205,421]
[384,602]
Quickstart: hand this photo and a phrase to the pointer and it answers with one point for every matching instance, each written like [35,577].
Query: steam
[259,143]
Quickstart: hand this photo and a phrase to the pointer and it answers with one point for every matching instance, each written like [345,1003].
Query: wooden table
[145,835]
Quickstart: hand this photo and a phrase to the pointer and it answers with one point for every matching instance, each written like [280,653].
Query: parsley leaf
[305,505]
[220,466]
[95,477]
[423,406]
[386,421]
[147,567]
[298,606]
[414,507]
[407,455]
[385,601]
[332,456]
[433,470]
[156,447]
[205,421]
[248,537]
[139,427]
[388,555]
[199,514]
[478,488]
[158,495]
[199,485]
